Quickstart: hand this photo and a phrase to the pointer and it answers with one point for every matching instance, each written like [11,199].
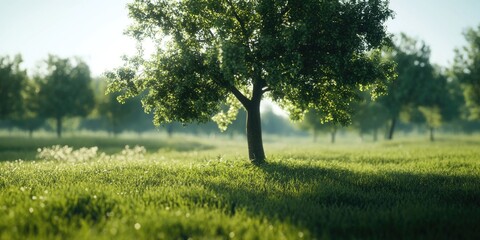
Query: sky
[93,29]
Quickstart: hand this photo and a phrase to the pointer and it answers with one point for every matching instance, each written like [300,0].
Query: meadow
[192,188]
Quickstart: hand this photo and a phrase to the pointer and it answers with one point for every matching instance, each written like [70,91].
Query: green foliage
[432,116]
[224,119]
[304,54]
[466,69]
[18,95]
[403,189]
[118,115]
[30,118]
[415,72]
[317,122]
[419,85]
[369,115]
[436,104]
[65,90]
[12,83]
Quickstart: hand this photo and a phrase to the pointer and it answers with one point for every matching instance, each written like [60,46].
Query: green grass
[208,190]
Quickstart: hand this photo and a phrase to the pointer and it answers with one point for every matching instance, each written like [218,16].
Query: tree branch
[285,10]
[239,95]
[237,17]
[217,78]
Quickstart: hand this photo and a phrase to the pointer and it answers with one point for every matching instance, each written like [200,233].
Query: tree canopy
[369,116]
[415,74]
[65,90]
[12,82]
[302,54]
[466,69]
[313,121]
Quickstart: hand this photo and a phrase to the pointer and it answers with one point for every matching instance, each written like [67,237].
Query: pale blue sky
[93,29]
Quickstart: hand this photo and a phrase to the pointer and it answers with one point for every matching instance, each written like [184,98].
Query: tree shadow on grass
[339,203]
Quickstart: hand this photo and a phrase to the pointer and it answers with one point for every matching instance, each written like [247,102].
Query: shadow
[336,203]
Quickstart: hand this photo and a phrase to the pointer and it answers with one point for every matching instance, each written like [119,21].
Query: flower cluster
[66,153]
[137,152]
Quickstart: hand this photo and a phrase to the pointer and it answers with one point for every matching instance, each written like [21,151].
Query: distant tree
[117,114]
[29,118]
[12,83]
[137,121]
[454,109]
[275,124]
[313,120]
[437,104]
[369,116]
[414,73]
[301,54]
[65,90]
[466,68]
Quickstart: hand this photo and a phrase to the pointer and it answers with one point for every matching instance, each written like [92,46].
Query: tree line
[423,94]
[63,88]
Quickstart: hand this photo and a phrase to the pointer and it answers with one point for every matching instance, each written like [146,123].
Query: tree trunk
[169,130]
[375,134]
[333,134]
[431,134]
[392,128]
[254,134]
[59,127]
[315,134]
[30,133]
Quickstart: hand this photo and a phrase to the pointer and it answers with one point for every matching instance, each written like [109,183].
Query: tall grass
[403,189]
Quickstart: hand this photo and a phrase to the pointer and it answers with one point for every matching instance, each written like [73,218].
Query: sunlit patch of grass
[405,189]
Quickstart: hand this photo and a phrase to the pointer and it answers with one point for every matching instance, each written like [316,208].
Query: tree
[12,82]
[116,114]
[65,90]
[275,124]
[301,54]
[313,120]
[466,69]
[29,118]
[414,72]
[369,116]
[455,111]
[439,103]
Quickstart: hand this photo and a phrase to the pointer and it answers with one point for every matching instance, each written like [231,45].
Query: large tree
[466,69]
[65,90]
[302,54]
[12,82]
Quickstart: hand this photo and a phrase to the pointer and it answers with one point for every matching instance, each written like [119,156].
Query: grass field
[205,189]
